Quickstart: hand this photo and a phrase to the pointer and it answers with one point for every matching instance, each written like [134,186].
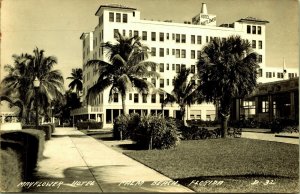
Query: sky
[56,25]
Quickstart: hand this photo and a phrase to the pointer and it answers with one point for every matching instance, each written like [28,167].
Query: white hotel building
[173,46]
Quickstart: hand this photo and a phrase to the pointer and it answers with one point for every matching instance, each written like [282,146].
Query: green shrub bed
[11,170]
[149,132]
[28,144]
[89,125]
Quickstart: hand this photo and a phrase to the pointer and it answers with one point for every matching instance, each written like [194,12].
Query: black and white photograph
[186,96]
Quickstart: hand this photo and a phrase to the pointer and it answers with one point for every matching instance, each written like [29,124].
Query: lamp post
[36,85]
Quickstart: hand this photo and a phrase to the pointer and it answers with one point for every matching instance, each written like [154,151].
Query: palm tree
[19,81]
[184,92]
[227,69]
[76,77]
[15,102]
[126,69]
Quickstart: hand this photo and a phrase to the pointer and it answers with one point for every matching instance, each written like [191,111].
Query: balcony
[87,110]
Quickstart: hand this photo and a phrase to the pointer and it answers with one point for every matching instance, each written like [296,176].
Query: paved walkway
[271,137]
[75,162]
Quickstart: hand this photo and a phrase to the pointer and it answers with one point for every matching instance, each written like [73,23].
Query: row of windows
[178,53]
[280,75]
[253,29]
[259,44]
[116,17]
[175,67]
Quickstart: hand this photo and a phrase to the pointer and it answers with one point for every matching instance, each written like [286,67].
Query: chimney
[204,8]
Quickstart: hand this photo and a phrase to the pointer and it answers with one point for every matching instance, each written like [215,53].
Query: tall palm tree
[19,81]
[76,83]
[184,92]
[125,70]
[227,69]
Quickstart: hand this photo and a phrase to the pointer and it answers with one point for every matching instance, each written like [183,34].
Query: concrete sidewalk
[75,162]
[270,137]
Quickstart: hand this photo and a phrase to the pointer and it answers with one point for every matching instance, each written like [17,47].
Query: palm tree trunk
[182,114]
[224,124]
[124,105]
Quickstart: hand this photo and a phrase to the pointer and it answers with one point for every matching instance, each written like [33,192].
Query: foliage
[76,83]
[201,123]
[197,133]
[29,144]
[227,69]
[126,70]
[278,125]
[155,132]
[11,170]
[89,124]
[46,128]
[125,126]
[19,81]
[184,92]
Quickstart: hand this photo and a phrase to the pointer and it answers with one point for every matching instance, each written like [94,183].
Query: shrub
[201,123]
[52,127]
[155,132]
[46,128]
[197,133]
[279,124]
[120,129]
[89,124]
[11,170]
[29,144]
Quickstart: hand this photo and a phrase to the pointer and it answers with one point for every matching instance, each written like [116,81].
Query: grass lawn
[245,165]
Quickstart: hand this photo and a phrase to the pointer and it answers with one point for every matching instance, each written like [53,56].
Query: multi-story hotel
[173,46]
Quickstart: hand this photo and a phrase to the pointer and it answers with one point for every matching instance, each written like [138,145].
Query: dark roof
[117,6]
[253,20]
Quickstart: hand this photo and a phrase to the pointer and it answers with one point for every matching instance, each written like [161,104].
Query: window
[199,40]
[161,98]
[193,54]
[153,51]
[177,68]
[192,39]
[136,98]
[130,96]
[168,82]
[173,51]
[279,75]
[258,29]
[260,73]
[177,38]
[125,18]
[168,66]
[161,67]
[135,33]
[173,67]
[264,106]
[167,36]
[183,53]
[183,66]
[130,33]
[116,97]
[260,58]
[144,35]
[133,14]
[124,33]
[207,39]
[161,36]
[193,69]
[144,98]
[177,53]
[260,44]
[253,29]
[167,51]
[118,17]
[173,36]
[111,16]
[161,52]
[183,38]
[153,98]
[153,36]
[153,81]
[291,75]
[116,31]
[253,43]
[198,54]
[153,68]
[248,29]
[161,83]
[268,74]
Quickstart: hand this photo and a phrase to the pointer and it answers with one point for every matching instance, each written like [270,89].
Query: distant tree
[227,70]
[184,92]
[76,83]
[19,81]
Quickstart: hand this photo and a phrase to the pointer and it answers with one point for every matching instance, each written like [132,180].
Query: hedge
[29,145]
[89,125]
[197,133]
[11,170]
[48,130]
[125,125]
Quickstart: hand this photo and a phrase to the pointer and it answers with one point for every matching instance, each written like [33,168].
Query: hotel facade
[172,46]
